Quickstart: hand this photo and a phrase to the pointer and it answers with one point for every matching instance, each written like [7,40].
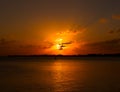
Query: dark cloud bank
[14,48]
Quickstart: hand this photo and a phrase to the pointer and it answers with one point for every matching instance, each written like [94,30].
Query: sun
[58,46]
[59,43]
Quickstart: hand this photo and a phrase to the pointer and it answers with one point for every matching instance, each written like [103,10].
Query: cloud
[6,42]
[103,20]
[77,29]
[12,47]
[104,47]
[115,31]
[118,30]
[117,17]
[8,47]
[111,32]
[47,45]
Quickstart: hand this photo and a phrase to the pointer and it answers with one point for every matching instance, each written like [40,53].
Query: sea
[60,75]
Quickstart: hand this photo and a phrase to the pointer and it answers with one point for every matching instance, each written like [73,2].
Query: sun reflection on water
[64,75]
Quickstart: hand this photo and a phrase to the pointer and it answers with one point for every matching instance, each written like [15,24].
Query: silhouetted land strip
[89,56]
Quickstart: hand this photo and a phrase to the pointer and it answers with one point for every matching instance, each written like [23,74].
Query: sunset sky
[35,27]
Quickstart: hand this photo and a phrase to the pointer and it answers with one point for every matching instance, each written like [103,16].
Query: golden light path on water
[64,75]
[61,75]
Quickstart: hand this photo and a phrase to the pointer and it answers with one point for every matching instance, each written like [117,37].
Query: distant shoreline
[89,56]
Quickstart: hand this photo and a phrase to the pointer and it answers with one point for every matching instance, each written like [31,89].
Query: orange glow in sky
[63,42]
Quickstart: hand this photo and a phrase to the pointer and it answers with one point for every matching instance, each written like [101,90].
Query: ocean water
[60,75]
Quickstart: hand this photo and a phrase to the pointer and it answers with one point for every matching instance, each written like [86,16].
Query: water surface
[48,75]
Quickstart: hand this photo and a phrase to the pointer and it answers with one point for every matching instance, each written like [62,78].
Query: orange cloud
[103,47]
[103,20]
[115,31]
[117,17]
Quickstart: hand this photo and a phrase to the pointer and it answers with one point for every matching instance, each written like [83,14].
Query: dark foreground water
[60,75]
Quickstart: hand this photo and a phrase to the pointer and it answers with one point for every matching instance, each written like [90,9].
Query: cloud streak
[115,31]
[105,47]
[116,17]
[15,48]
[103,20]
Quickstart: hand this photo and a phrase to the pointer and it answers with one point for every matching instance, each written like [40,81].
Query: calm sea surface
[60,75]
